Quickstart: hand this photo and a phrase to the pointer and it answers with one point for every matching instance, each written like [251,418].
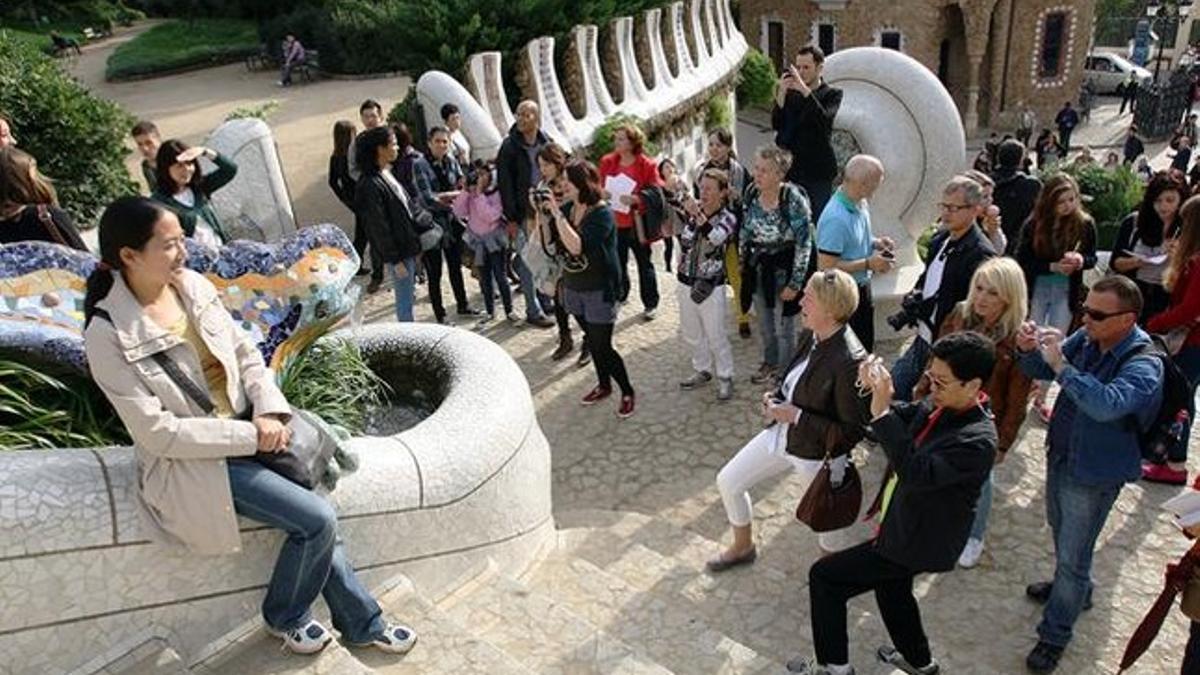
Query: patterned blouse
[787,225]
[711,234]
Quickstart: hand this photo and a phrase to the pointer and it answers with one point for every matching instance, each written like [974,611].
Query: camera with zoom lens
[910,313]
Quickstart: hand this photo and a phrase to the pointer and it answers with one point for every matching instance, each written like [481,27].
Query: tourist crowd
[1000,310]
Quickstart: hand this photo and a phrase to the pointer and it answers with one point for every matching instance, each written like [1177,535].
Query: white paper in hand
[619,186]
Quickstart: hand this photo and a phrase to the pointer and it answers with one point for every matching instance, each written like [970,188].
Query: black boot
[565,347]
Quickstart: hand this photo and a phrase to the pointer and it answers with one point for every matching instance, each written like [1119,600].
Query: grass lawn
[39,36]
[180,44]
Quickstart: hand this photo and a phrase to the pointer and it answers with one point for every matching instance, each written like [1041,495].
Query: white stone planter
[80,585]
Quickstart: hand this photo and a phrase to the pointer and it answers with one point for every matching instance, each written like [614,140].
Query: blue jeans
[405,288]
[1188,360]
[1076,514]
[312,561]
[1050,304]
[778,331]
[492,276]
[907,369]
[533,299]
[983,508]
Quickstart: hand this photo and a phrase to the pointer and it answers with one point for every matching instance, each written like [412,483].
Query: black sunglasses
[1097,315]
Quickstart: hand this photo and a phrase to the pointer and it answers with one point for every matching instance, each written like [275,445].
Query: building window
[772,42]
[891,39]
[824,35]
[1052,49]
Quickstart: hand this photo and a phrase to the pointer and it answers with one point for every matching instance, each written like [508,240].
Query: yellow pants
[733,272]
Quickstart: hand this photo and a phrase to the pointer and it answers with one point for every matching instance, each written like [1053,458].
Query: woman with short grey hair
[774,244]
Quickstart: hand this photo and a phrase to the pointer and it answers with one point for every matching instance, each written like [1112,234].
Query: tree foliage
[78,140]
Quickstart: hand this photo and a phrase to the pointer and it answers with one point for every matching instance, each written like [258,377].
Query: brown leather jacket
[835,416]
[1008,388]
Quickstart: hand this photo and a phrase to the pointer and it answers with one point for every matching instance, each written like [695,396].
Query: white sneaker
[513,317]
[649,314]
[396,639]
[971,553]
[310,638]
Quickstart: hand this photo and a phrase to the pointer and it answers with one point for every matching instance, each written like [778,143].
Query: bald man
[517,171]
[845,242]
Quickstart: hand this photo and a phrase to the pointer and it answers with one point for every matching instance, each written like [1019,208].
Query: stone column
[971,114]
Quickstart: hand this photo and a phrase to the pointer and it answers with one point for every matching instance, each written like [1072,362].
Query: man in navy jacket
[1108,394]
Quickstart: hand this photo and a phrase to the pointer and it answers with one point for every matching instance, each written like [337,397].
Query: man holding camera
[844,239]
[954,253]
[803,120]
[1109,393]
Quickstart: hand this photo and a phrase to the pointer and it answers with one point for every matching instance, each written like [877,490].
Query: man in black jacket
[1015,193]
[954,253]
[517,171]
[803,120]
[1133,145]
[939,454]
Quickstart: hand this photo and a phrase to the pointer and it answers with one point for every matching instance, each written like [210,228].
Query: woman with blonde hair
[29,206]
[814,413]
[995,307]
[1182,279]
[1055,246]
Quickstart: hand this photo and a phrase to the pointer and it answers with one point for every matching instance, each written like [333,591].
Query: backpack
[1166,429]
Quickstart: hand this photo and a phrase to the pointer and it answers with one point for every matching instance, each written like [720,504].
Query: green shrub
[756,81]
[718,114]
[262,111]
[602,142]
[180,44]
[78,140]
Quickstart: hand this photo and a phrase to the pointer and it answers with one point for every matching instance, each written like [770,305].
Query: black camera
[540,195]
[910,313]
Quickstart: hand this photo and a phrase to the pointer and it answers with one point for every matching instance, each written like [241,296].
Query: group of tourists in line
[1000,312]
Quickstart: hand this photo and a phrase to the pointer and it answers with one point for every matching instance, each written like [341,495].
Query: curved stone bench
[80,583]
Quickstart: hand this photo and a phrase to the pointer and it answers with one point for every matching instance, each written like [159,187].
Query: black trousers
[1191,654]
[647,281]
[608,363]
[836,578]
[863,320]
[454,266]
[360,247]
[819,193]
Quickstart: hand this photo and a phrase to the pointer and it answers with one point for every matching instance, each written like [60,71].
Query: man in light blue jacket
[1111,391]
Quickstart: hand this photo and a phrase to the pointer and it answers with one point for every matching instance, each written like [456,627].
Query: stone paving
[661,463]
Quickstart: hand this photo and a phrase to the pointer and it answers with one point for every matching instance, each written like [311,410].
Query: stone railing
[82,586]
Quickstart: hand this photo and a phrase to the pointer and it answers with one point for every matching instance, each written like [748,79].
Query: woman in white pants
[816,411]
[708,227]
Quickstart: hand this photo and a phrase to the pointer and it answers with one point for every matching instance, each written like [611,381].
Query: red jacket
[1185,304]
[643,171]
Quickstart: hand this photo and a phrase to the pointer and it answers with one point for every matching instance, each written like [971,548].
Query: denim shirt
[427,184]
[1097,407]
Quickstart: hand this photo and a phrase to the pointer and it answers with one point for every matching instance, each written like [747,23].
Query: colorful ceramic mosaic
[284,295]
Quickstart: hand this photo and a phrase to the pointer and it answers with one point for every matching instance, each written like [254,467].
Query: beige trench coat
[184,485]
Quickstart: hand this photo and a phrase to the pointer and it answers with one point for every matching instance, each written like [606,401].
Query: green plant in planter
[332,379]
[602,141]
[756,80]
[261,111]
[40,410]
[718,114]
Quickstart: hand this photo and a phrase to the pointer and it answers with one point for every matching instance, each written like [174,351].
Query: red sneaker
[1162,473]
[596,395]
[626,409]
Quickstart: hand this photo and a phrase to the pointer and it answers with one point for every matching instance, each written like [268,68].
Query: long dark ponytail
[128,222]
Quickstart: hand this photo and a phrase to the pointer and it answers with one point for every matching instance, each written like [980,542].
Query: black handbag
[309,451]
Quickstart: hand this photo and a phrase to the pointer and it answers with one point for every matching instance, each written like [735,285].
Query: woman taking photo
[629,159]
[816,410]
[382,210]
[188,192]
[28,205]
[709,228]
[1144,237]
[1182,279]
[197,471]
[995,307]
[774,248]
[552,162]
[721,156]
[1057,243]
[592,282]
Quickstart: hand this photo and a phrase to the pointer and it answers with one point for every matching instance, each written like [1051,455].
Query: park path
[190,105]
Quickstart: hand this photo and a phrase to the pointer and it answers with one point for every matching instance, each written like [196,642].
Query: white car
[1107,72]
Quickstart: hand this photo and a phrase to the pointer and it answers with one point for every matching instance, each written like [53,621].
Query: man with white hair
[845,242]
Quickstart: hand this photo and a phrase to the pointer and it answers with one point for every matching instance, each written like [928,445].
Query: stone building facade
[992,55]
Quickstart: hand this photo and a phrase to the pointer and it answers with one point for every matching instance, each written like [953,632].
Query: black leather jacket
[388,223]
[835,416]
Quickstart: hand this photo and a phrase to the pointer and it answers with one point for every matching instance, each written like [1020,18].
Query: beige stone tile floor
[625,592]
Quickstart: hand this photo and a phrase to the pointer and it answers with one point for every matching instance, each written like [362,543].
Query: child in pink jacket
[479,207]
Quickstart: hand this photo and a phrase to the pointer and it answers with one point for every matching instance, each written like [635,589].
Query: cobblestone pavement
[662,463]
